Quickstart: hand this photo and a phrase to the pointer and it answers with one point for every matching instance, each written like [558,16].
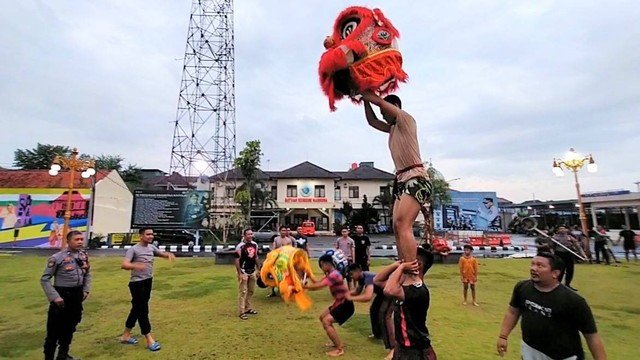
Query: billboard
[470,211]
[171,209]
[35,217]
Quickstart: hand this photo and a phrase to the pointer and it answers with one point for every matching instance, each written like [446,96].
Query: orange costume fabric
[361,54]
[285,269]
[468,269]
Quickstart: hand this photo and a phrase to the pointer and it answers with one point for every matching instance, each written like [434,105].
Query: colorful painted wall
[35,217]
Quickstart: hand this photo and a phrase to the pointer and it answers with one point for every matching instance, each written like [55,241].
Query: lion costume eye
[349,26]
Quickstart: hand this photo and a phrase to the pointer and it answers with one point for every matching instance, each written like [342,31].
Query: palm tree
[385,202]
[439,196]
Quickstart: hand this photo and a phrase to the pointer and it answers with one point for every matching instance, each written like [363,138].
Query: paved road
[382,246]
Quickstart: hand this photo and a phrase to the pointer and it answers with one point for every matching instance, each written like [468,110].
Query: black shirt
[627,235]
[247,252]
[552,322]
[410,317]
[301,242]
[361,244]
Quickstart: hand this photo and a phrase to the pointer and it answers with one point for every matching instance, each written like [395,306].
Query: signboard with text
[305,199]
[171,209]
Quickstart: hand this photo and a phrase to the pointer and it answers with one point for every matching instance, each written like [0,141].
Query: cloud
[498,89]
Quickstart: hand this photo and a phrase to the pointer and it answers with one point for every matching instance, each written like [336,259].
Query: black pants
[375,316]
[140,295]
[600,246]
[62,322]
[386,323]
[567,258]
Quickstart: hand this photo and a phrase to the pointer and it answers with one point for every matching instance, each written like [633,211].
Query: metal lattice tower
[204,139]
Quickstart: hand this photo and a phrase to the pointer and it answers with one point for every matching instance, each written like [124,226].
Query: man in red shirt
[341,309]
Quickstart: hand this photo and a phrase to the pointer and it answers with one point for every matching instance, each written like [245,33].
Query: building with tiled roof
[34,202]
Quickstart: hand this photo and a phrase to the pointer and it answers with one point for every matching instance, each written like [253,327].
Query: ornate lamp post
[574,162]
[71,163]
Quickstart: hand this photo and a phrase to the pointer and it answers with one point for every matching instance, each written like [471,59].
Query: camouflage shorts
[419,187]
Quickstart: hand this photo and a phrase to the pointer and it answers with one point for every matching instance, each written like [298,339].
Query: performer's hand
[502,346]
[410,267]
[239,277]
[170,256]
[59,301]
[85,295]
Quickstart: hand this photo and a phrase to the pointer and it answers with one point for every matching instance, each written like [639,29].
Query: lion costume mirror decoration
[285,269]
[361,54]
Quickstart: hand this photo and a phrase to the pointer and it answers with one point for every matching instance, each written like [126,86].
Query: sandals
[251,311]
[244,317]
[155,346]
[129,341]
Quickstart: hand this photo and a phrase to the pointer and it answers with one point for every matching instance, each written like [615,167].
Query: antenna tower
[204,138]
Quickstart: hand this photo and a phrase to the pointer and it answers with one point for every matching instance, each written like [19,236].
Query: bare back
[404,146]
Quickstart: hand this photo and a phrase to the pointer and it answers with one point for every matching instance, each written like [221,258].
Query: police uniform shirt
[69,269]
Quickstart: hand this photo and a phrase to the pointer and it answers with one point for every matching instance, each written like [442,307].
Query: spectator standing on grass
[468,266]
[139,259]
[247,264]
[72,283]
[553,316]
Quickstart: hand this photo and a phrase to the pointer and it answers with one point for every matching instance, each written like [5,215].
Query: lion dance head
[285,269]
[361,54]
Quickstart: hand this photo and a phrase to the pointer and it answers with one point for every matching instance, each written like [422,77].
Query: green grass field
[193,313]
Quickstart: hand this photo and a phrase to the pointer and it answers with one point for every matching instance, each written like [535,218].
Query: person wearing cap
[72,283]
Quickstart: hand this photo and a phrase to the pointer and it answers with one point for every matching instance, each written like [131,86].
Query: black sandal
[251,311]
[244,317]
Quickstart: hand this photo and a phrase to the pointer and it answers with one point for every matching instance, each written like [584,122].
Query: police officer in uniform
[72,283]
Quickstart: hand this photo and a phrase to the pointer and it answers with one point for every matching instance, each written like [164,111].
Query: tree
[110,162]
[248,161]
[132,176]
[440,195]
[385,202]
[364,216]
[42,156]
[39,157]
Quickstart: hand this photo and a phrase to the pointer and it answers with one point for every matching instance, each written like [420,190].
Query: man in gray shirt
[72,284]
[139,259]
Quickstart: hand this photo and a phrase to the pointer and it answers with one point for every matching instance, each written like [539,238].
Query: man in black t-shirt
[362,248]
[411,305]
[247,265]
[553,316]
[629,243]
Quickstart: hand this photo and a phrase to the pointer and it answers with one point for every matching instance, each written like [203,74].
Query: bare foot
[389,355]
[475,304]
[335,352]
[464,303]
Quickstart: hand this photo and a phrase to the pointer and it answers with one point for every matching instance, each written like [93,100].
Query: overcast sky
[499,88]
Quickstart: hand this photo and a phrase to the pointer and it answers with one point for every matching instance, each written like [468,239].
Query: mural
[35,217]
[470,211]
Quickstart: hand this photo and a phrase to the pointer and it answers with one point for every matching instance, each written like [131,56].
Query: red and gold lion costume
[362,54]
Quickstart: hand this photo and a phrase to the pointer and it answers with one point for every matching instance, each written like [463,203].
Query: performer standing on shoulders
[412,188]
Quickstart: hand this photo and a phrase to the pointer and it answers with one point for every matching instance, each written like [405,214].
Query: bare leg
[126,334]
[465,290]
[332,333]
[404,215]
[626,255]
[473,294]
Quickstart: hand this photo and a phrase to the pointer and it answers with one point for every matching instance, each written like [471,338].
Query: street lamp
[73,164]
[574,162]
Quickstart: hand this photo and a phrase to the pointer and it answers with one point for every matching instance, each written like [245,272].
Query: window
[292,191]
[231,192]
[274,192]
[319,191]
[354,192]
[384,190]
[337,193]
